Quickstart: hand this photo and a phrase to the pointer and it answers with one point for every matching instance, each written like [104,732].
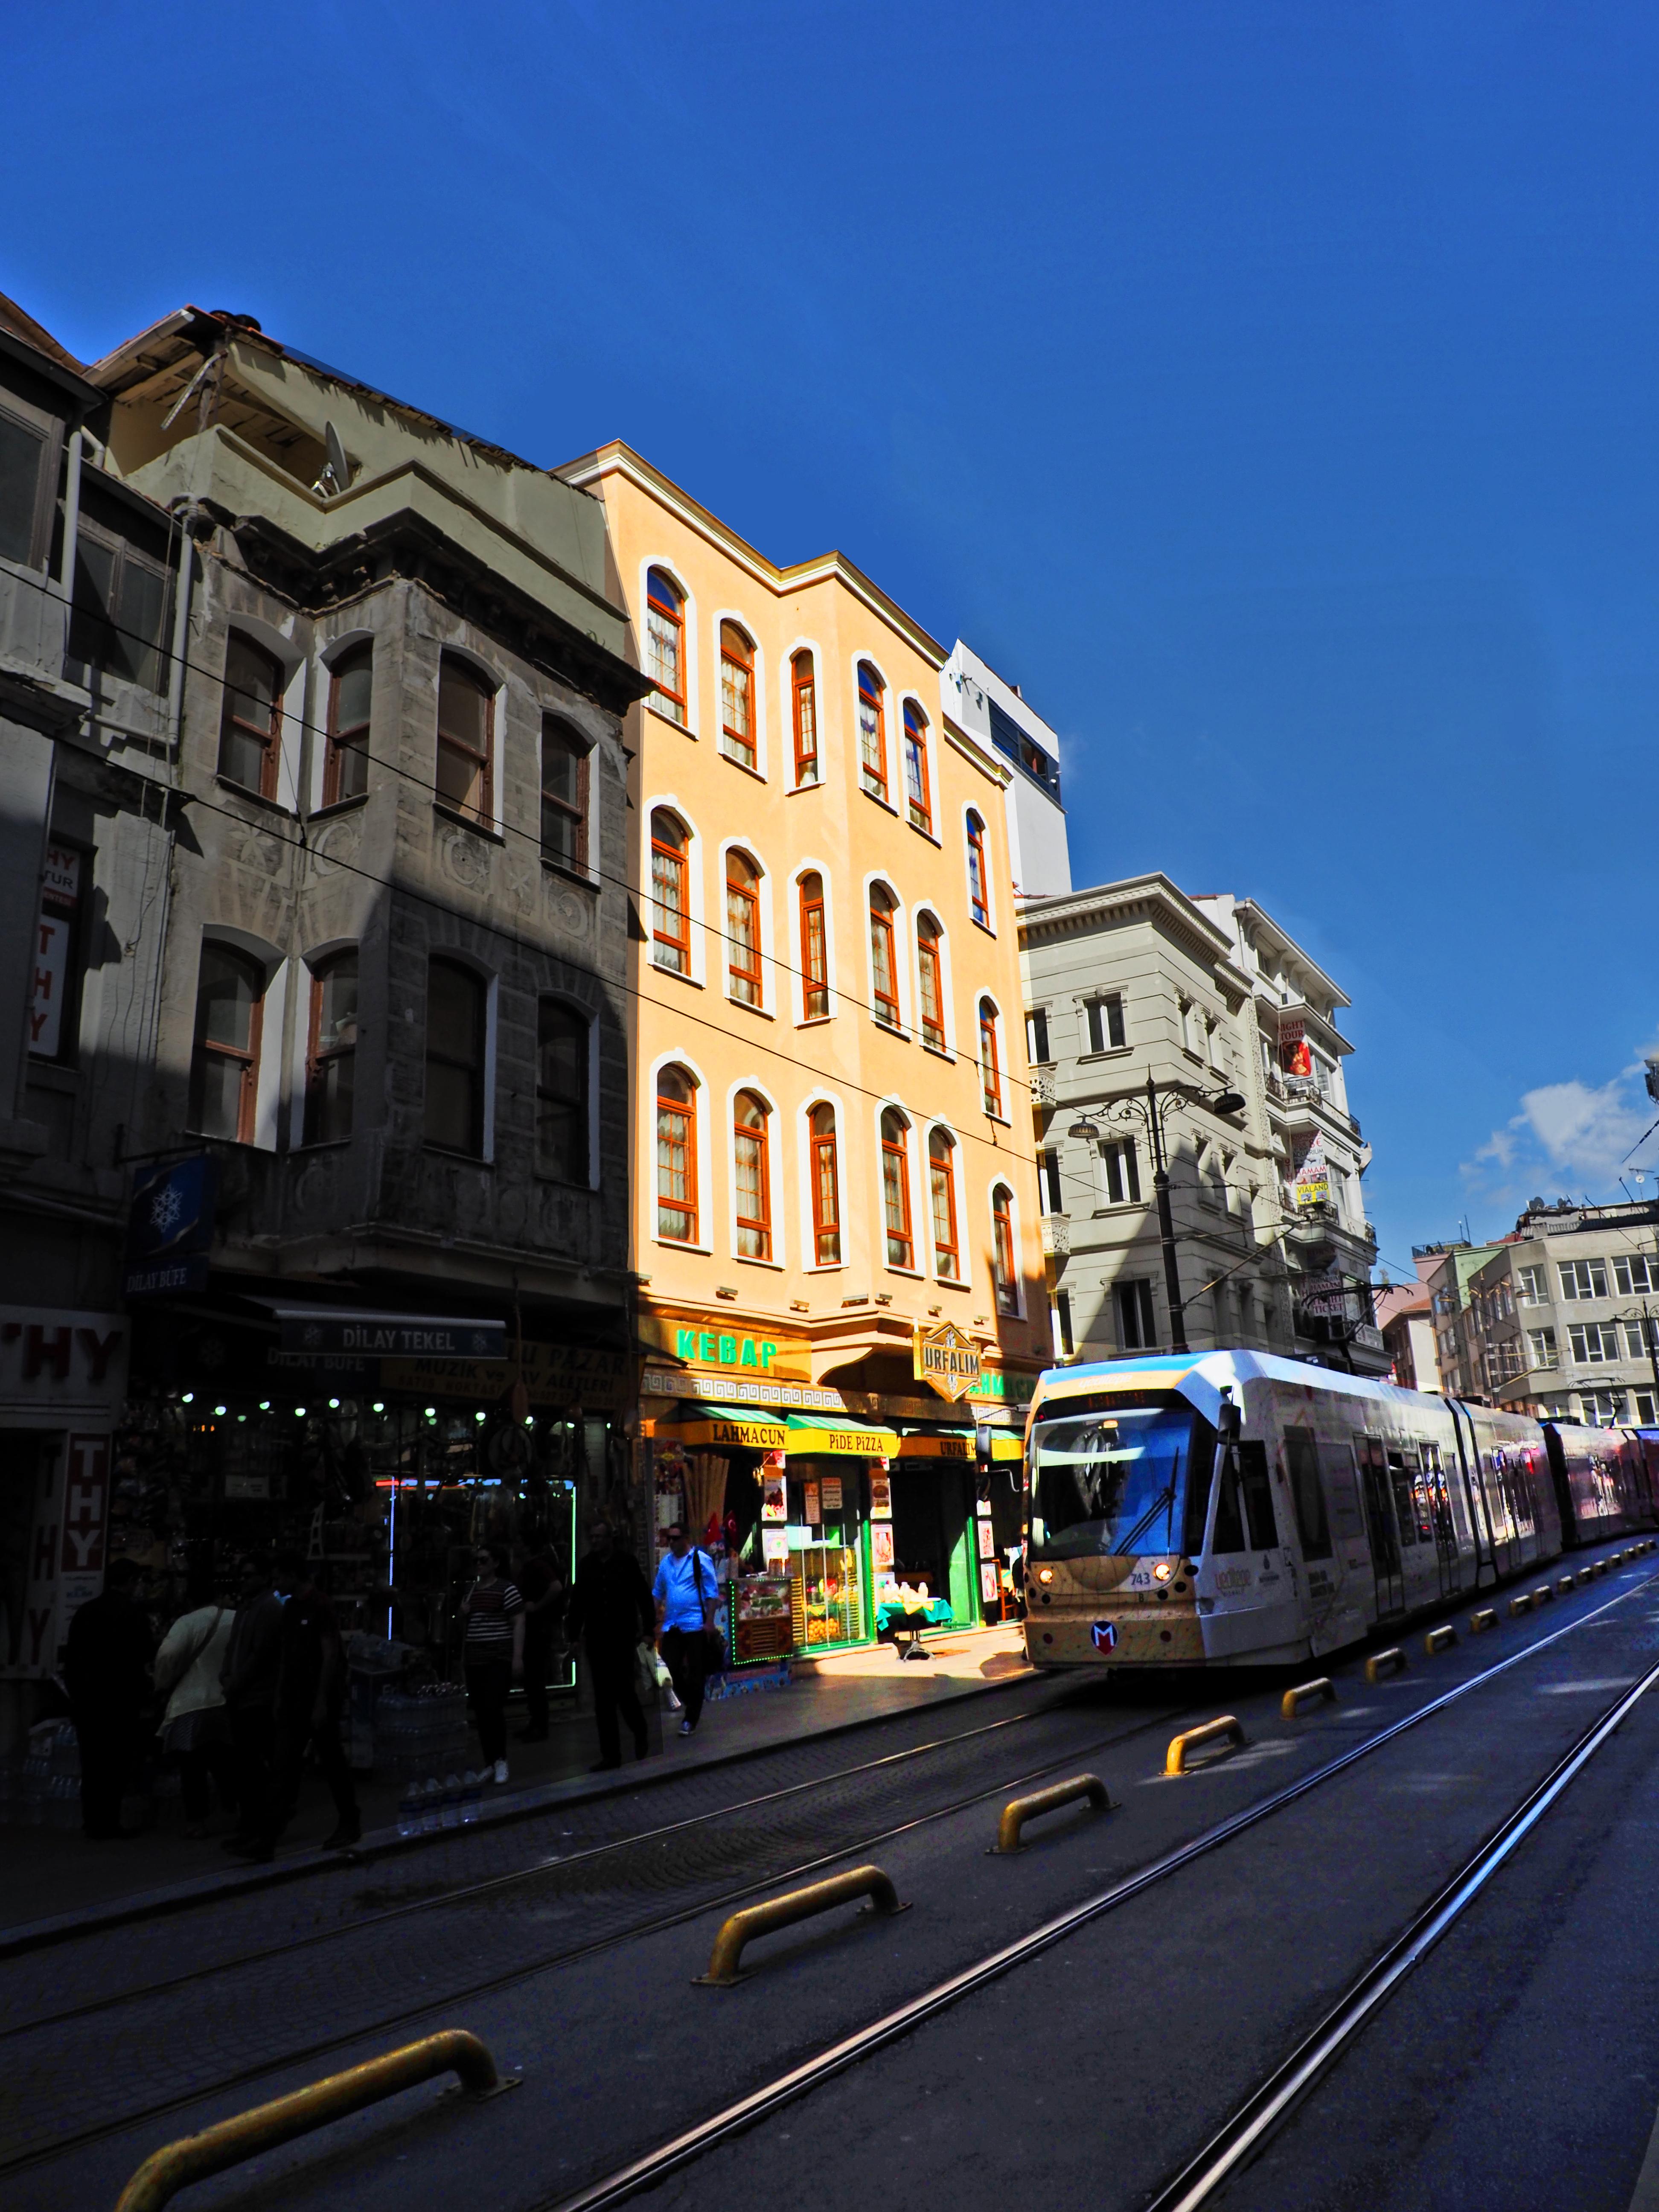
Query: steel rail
[734,2119]
[1268,2106]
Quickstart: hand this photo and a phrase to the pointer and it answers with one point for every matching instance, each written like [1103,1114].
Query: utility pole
[1165,1222]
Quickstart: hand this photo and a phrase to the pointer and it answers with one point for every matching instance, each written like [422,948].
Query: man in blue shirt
[686,1592]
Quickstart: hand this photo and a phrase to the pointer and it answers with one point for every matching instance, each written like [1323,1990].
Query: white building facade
[978,699]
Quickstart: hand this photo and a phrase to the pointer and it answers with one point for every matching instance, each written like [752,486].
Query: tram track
[848,2050]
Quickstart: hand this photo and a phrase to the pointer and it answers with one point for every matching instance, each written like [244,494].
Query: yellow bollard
[783,1912]
[1518,1604]
[1322,1686]
[1174,1761]
[1393,1660]
[1481,1621]
[1440,1639]
[1019,1810]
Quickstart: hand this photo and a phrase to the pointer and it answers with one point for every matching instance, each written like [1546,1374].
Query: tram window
[1312,1525]
[1405,1509]
[1229,1512]
[1257,1486]
[1198,1480]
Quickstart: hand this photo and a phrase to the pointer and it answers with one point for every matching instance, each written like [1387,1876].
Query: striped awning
[956,1443]
[810,1434]
[731,1425]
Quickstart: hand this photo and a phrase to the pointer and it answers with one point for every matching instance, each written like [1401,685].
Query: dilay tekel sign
[390,1335]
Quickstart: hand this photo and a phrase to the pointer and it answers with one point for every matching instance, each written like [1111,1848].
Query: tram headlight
[1045,1574]
[1161,1571]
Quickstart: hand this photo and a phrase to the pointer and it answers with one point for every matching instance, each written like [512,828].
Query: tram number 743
[1104,1633]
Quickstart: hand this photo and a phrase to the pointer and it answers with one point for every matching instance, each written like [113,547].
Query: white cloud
[1585,1132]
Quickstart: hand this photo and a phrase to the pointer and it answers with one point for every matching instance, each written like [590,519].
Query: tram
[1232,1508]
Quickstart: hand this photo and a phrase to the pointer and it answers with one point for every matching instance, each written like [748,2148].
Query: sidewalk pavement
[55,1873]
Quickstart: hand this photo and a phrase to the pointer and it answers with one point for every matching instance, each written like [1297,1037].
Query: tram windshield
[1109,1474]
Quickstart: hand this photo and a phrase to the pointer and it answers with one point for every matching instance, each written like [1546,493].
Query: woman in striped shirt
[493,1654]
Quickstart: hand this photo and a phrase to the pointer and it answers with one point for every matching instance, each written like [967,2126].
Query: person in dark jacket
[249,1680]
[106,1673]
[311,1687]
[542,1588]
[610,1610]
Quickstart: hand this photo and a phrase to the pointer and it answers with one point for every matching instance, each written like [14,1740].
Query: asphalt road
[1518,2065]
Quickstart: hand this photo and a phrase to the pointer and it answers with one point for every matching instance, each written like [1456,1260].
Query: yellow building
[833,1184]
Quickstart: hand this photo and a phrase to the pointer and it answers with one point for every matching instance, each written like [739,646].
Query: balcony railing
[1043,1074]
[1056,1233]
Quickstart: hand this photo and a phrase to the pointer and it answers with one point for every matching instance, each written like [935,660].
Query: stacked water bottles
[43,1791]
[421,1739]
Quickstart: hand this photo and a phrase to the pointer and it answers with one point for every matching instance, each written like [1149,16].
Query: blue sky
[1270,390]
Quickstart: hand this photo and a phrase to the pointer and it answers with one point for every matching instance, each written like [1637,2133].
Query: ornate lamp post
[1151,1112]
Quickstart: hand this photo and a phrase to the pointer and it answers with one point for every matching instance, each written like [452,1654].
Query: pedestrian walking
[195,1727]
[493,1652]
[542,1588]
[610,1611]
[310,1686]
[106,1673]
[249,1677]
[687,1591]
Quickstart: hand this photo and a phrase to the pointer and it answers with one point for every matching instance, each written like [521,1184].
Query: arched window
[564,796]
[670,910]
[883,964]
[804,693]
[351,683]
[250,727]
[895,1187]
[466,713]
[665,643]
[456,1005]
[742,936]
[978,884]
[942,1191]
[562,1036]
[932,993]
[676,1156]
[918,798]
[224,1076]
[737,696]
[1002,1249]
[826,1188]
[750,1155]
[814,950]
[872,731]
[990,1059]
[331,1049]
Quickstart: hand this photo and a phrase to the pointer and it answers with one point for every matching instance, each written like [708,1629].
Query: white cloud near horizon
[1579,1133]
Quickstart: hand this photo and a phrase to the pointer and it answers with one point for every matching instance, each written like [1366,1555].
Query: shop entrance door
[826,1556]
[933,1536]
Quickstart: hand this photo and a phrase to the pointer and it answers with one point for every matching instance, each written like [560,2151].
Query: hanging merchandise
[1313,1176]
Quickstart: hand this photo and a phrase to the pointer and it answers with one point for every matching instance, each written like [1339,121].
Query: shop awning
[745,1427]
[810,1434]
[958,1444]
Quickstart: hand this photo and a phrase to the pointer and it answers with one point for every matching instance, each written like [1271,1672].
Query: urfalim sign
[947,1360]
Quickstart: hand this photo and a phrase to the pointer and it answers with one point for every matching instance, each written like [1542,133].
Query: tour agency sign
[947,1360]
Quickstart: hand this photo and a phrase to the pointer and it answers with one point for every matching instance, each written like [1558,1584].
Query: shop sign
[773,1505]
[947,1360]
[831,1489]
[392,1335]
[594,1377]
[698,1341]
[881,1498]
[65,1555]
[746,1436]
[810,1491]
[51,1358]
[1313,1176]
[774,1546]
[881,1546]
[1006,1389]
[60,892]
[170,1227]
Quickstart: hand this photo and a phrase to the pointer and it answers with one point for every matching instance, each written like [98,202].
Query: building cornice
[1152,898]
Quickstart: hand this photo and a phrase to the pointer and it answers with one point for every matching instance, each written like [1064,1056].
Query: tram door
[1379,1521]
[1433,1479]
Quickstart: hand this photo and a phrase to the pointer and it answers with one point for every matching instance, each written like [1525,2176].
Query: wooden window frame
[755,1226]
[814,951]
[112,642]
[744,751]
[483,813]
[675,615]
[477,1149]
[872,777]
[895,1178]
[990,1061]
[554,726]
[979,881]
[804,687]
[269,740]
[746,986]
[318,1059]
[684,1111]
[247,1101]
[942,1177]
[579,1020]
[1004,1271]
[824,1150]
[929,965]
[339,738]
[679,857]
[40,422]
[881,919]
[919,803]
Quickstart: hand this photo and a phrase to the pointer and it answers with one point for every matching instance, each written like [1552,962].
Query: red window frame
[942,1186]
[931,982]
[896,1189]
[247,1056]
[754,1229]
[979,886]
[990,1065]
[918,794]
[814,951]
[461,747]
[664,597]
[1002,1249]
[347,741]
[873,693]
[743,921]
[561,815]
[669,862]
[738,654]
[804,702]
[677,1125]
[267,736]
[321,1060]
[826,1187]
[883,951]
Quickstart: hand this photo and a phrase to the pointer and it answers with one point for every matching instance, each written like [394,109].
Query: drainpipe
[180,631]
[72,515]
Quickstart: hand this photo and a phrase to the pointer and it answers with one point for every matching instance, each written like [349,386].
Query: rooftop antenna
[336,470]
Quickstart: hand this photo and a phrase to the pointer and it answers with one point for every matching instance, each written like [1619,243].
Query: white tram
[1230,1508]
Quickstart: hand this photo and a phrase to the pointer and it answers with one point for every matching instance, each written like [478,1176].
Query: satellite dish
[338,467]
